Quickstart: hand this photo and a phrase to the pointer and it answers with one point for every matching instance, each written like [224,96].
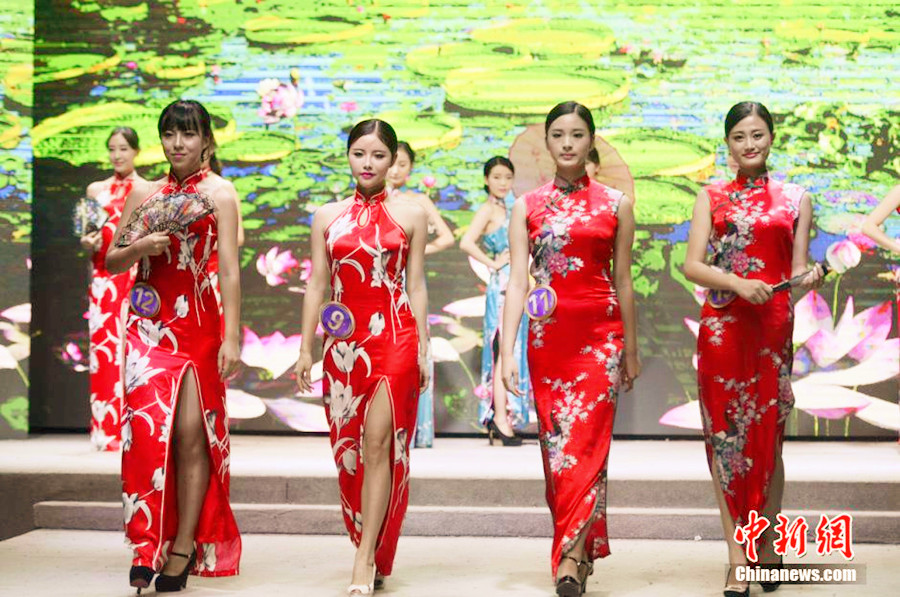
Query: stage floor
[90,563]
[471,458]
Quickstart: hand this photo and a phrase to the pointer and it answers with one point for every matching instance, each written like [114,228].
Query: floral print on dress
[744,351]
[575,355]
[367,251]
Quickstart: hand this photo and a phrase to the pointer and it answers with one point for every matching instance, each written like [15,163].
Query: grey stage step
[624,522]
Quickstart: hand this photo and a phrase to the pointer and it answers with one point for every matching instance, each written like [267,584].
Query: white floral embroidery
[137,370]
[376,324]
[159,479]
[181,306]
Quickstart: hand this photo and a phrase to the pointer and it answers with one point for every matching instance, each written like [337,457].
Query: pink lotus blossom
[278,100]
[131,65]
[470,307]
[482,392]
[297,414]
[842,256]
[72,356]
[685,416]
[274,264]
[18,314]
[274,353]
[429,181]
[305,269]
[348,107]
[242,405]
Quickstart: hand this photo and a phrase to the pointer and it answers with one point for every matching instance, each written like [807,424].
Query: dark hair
[190,115]
[409,151]
[742,110]
[497,160]
[593,156]
[129,134]
[383,130]
[569,108]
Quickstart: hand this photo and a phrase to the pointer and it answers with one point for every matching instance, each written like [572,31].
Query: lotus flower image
[279,101]
[274,265]
[274,353]
[830,361]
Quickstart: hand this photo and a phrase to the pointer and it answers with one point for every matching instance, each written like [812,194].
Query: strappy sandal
[569,586]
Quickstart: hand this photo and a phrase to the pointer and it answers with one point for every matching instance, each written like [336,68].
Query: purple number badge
[337,320]
[540,302]
[719,299]
[144,300]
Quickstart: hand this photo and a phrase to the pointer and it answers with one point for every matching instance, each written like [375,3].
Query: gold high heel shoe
[354,590]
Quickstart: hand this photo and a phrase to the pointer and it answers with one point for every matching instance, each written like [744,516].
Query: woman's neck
[568,176]
[752,173]
[182,173]
[369,191]
[123,175]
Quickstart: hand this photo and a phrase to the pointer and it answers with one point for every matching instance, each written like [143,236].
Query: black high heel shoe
[139,577]
[731,590]
[569,586]
[589,569]
[768,587]
[171,584]
[494,431]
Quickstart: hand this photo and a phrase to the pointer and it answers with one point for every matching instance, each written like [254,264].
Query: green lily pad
[175,67]
[79,135]
[10,129]
[664,201]
[663,153]
[425,130]
[276,30]
[437,60]
[258,146]
[551,37]
[58,67]
[532,90]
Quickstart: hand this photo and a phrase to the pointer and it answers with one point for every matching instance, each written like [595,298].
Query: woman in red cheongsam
[758,232]
[175,442]
[371,248]
[582,351]
[108,291]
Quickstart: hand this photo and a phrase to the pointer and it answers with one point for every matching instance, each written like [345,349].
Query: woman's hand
[302,371]
[814,279]
[632,369]
[424,374]
[510,372]
[92,241]
[154,244]
[756,292]
[229,356]
[501,260]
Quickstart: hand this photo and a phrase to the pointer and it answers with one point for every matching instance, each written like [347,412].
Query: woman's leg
[501,416]
[736,555]
[376,491]
[568,567]
[771,509]
[191,469]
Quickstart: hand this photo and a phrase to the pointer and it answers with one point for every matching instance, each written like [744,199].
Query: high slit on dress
[367,251]
[159,350]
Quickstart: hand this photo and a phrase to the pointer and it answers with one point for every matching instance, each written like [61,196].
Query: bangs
[181,117]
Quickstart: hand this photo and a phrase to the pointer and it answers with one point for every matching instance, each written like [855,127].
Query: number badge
[337,320]
[144,300]
[719,299]
[540,302]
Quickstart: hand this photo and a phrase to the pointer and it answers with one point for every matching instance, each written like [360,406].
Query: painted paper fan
[88,216]
[165,213]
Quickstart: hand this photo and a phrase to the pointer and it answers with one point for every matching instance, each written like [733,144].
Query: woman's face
[569,141]
[398,174]
[370,160]
[121,155]
[499,181]
[749,143]
[183,149]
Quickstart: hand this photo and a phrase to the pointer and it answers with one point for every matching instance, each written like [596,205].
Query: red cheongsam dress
[367,251]
[159,350]
[744,350]
[574,355]
[106,321]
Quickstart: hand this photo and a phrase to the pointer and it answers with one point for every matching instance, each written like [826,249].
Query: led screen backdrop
[463,81]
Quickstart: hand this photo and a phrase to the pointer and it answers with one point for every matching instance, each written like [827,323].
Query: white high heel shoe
[354,590]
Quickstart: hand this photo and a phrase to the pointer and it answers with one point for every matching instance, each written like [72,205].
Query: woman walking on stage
[874,221]
[108,291]
[758,232]
[372,246]
[175,442]
[503,410]
[582,345]
[397,177]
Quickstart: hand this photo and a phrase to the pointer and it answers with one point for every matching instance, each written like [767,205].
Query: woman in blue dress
[501,411]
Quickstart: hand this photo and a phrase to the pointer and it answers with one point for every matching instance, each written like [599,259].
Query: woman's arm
[516,290]
[444,238]
[226,201]
[872,225]
[469,241]
[316,286]
[625,288]
[119,259]
[799,257]
[415,287]
[697,271]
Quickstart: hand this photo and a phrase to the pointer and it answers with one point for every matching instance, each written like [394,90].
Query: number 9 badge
[337,320]
[540,302]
